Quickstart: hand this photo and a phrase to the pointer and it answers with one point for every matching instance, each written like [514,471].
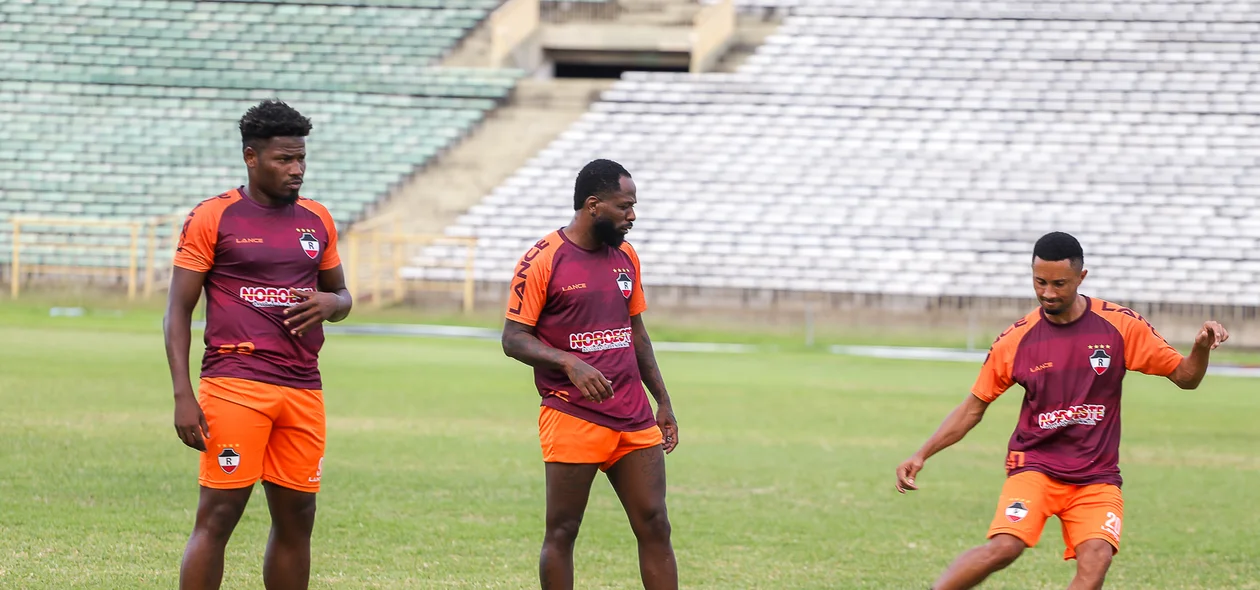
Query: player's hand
[669,426]
[314,308]
[590,382]
[190,421]
[906,472]
[1211,335]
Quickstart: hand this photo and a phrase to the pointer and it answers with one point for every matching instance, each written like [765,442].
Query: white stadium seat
[919,147]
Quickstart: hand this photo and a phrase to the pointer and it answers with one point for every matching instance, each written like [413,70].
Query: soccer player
[574,314]
[267,260]
[1070,355]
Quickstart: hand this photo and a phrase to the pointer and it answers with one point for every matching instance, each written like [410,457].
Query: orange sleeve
[1145,351]
[638,302]
[996,375]
[529,284]
[330,259]
[199,237]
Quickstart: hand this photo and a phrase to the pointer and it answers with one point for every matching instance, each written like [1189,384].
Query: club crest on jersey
[229,460]
[625,284]
[1016,511]
[310,245]
[1100,360]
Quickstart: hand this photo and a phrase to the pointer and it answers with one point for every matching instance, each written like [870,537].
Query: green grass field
[433,477]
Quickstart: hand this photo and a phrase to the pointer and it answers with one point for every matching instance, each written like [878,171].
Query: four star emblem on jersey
[625,284]
[229,460]
[1100,360]
[310,245]
[1016,511]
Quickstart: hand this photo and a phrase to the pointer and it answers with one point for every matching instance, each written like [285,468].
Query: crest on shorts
[310,245]
[625,284]
[1016,511]
[1099,360]
[229,460]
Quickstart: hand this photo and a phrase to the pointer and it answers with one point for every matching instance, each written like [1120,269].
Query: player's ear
[591,203]
[251,156]
[1084,271]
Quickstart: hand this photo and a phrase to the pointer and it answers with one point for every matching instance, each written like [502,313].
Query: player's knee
[654,527]
[563,533]
[1003,550]
[297,516]
[217,520]
[1094,556]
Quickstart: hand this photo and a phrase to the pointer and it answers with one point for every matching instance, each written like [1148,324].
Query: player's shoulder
[544,249]
[1119,316]
[313,206]
[218,203]
[212,209]
[628,249]
[1111,310]
[318,209]
[1014,333]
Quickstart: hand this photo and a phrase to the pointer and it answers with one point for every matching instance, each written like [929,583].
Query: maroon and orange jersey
[581,301]
[252,255]
[1069,424]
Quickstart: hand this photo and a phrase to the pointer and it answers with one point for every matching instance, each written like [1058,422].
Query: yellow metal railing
[36,238]
[376,259]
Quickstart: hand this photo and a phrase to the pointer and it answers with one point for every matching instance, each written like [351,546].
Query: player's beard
[1060,307]
[608,233]
[288,198]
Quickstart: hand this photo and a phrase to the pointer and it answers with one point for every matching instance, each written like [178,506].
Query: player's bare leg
[974,566]
[1093,559]
[218,511]
[568,489]
[287,563]
[639,479]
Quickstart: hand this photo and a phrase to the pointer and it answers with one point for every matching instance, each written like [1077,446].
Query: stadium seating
[120,152]
[123,110]
[242,45]
[909,147]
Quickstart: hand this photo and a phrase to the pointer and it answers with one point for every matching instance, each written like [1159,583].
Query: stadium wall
[979,319]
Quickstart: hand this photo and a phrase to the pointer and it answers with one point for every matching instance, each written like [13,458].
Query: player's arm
[331,303]
[521,343]
[995,378]
[655,383]
[190,422]
[956,426]
[1190,371]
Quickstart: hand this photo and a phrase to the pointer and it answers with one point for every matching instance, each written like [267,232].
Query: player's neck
[1074,313]
[252,193]
[582,235]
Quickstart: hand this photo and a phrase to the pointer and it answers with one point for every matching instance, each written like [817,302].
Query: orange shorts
[1085,512]
[566,439]
[259,430]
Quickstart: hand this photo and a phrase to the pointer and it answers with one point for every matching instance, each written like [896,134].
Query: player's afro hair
[272,118]
[1056,246]
[598,178]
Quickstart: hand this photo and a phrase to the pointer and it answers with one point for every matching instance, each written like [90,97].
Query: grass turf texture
[784,478]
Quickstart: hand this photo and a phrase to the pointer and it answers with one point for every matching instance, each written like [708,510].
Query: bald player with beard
[575,315]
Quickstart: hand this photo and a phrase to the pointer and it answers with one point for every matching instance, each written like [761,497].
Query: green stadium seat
[189,69]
